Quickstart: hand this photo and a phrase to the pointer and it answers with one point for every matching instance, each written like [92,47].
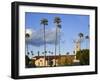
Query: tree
[87,38]
[27,60]
[38,53]
[52,53]
[57,22]
[27,36]
[81,35]
[83,56]
[59,28]
[49,51]
[44,22]
[28,53]
[67,53]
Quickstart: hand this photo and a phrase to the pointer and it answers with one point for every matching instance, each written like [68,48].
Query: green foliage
[83,56]
[27,60]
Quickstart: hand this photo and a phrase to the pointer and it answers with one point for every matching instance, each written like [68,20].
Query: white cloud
[37,39]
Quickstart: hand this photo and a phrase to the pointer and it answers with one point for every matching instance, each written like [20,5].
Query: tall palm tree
[44,22]
[57,22]
[27,36]
[59,28]
[81,35]
[87,38]
[59,38]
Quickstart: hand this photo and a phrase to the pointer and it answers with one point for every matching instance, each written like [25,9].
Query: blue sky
[71,24]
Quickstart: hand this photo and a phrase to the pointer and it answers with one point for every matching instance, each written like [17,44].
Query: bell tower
[76,48]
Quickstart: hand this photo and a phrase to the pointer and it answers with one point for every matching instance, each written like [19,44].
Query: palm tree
[59,27]
[48,57]
[81,35]
[51,53]
[27,36]
[57,22]
[38,53]
[67,53]
[32,53]
[44,22]
[28,53]
[43,53]
[87,38]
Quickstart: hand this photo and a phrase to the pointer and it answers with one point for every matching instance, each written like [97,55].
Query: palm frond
[27,35]
[57,20]
[44,21]
[80,35]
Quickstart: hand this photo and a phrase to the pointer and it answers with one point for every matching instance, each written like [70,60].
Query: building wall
[40,62]
[63,60]
[66,60]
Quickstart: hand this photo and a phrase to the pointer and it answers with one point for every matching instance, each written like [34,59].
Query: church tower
[77,46]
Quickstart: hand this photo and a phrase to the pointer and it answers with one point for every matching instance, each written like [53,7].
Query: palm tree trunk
[59,42]
[59,46]
[26,48]
[55,46]
[44,48]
